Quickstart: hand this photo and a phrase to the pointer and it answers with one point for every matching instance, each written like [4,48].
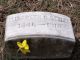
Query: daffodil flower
[23,47]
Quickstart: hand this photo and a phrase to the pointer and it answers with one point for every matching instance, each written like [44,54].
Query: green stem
[17,55]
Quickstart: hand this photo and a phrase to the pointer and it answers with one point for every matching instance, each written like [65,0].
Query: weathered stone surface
[38,24]
[50,34]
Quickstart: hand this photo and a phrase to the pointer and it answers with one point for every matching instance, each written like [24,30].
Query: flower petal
[23,51]
[19,45]
[24,43]
[28,50]
[26,47]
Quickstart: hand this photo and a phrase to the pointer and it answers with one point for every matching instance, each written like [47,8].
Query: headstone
[42,25]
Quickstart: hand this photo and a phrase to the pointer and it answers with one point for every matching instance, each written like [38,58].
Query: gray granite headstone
[42,25]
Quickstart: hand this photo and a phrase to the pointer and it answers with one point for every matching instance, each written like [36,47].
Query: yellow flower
[23,47]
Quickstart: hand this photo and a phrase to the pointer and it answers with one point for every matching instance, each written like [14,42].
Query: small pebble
[1,8]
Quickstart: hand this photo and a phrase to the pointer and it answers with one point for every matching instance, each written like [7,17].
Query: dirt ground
[70,8]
